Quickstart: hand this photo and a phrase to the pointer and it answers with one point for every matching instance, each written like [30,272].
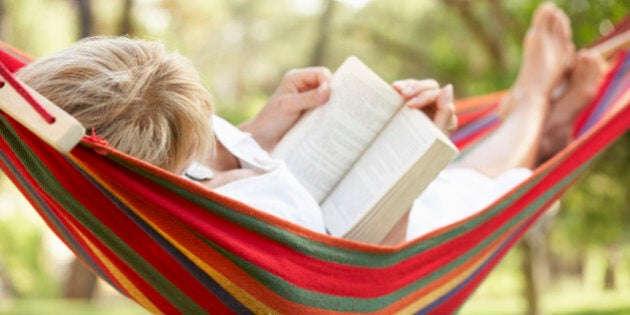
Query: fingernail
[448,92]
[323,88]
[408,89]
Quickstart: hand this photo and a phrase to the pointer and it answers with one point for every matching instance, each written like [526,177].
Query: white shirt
[275,191]
[456,194]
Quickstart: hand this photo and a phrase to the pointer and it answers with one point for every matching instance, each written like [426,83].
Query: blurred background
[575,261]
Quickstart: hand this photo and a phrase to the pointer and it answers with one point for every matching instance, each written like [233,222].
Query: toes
[542,16]
[588,65]
[588,72]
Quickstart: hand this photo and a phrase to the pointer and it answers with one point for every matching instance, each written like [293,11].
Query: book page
[403,142]
[323,146]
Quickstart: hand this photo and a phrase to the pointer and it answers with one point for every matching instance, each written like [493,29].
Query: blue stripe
[474,127]
[182,260]
[52,219]
[618,85]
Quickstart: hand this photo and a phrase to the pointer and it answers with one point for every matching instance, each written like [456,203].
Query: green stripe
[355,258]
[296,242]
[51,185]
[327,252]
[348,304]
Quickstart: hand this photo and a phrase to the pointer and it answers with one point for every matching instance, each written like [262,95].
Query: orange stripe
[245,289]
[255,295]
[428,294]
[473,103]
[120,278]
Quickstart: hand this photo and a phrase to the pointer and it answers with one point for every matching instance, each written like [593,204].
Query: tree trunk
[533,271]
[506,21]
[319,51]
[6,283]
[562,265]
[81,282]
[491,43]
[535,264]
[3,12]
[613,257]
[86,20]
[126,20]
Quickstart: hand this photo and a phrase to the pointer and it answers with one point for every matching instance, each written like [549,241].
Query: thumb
[445,115]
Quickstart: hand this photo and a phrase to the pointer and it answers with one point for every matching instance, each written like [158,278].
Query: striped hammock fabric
[175,247]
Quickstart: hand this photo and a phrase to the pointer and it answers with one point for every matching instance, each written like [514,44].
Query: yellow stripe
[127,285]
[236,291]
[436,293]
[239,294]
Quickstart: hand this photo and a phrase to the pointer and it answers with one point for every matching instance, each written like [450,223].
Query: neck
[222,160]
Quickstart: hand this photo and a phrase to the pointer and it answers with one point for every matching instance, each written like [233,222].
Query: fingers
[424,99]
[309,99]
[418,93]
[302,89]
[410,88]
[304,79]
[427,96]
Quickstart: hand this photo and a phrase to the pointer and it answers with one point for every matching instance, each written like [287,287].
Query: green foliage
[28,22]
[596,211]
[23,259]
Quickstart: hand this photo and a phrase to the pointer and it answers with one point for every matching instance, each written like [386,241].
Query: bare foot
[548,51]
[583,85]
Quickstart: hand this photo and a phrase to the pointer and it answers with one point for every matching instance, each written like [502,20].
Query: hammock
[175,247]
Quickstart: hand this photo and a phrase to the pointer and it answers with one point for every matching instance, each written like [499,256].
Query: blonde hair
[145,101]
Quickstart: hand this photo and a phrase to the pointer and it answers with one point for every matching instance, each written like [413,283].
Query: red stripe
[73,226]
[439,256]
[154,297]
[296,268]
[12,58]
[311,273]
[119,224]
[469,117]
[583,117]
[15,84]
[582,153]
[470,140]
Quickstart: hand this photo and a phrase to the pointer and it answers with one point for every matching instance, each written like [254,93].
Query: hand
[299,91]
[427,96]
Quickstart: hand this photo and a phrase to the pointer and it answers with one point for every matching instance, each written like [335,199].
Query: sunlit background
[242,48]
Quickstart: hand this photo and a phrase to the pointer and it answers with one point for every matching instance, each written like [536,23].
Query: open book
[364,156]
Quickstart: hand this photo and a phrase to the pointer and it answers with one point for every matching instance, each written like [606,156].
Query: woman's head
[147,102]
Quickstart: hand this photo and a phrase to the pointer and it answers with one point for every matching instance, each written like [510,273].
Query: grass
[500,293]
[574,301]
[119,306]
[565,301]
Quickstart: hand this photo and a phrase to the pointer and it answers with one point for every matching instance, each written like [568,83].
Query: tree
[597,209]
[481,29]
[80,283]
[322,35]
[126,21]
[6,283]
[3,10]
[85,15]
